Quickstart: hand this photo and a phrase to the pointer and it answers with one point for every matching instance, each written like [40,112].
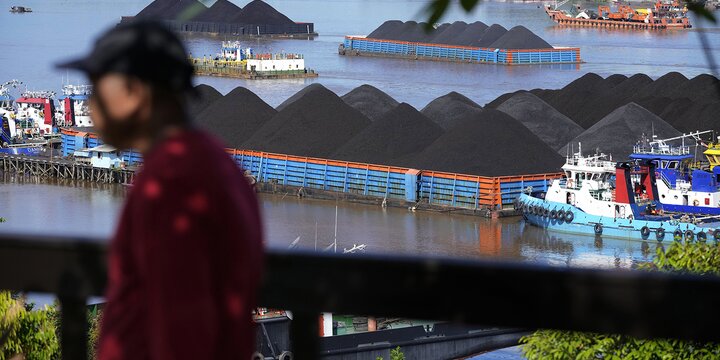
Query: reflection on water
[87,209]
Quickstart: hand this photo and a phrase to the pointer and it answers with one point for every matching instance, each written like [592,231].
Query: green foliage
[94,318]
[26,332]
[696,258]
[397,354]
[2,220]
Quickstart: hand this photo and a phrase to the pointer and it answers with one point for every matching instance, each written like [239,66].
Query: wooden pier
[62,168]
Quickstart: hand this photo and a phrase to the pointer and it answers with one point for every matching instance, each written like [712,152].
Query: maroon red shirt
[186,259]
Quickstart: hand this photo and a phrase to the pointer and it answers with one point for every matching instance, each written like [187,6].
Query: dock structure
[63,168]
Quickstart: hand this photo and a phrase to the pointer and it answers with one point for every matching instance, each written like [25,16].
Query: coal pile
[220,11]
[400,133]
[459,33]
[235,117]
[665,85]
[387,28]
[450,33]
[519,37]
[449,110]
[171,9]
[471,34]
[617,132]
[490,35]
[572,99]
[316,123]
[370,101]
[548,124]
[258,12]
[488,143]
[203,97]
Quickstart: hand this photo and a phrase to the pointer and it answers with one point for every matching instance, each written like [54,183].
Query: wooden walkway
[64,169]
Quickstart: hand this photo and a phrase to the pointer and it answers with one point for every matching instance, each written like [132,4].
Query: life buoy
[569,216]
[696,203]
[689,235]
[702,236]
[645,232]
[598,229]
[561,216]
[286,355]
[553,214]
[660,234]
[257,356]
[677,235]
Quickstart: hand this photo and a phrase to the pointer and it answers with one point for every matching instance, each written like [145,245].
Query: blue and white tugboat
[684,185]
[603,198]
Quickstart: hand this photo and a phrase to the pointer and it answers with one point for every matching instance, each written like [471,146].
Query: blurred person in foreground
[187,255]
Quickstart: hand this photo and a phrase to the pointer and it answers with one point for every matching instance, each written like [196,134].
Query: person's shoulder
[189,154]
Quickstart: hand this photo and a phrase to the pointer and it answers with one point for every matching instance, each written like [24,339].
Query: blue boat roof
[76,97]
[660,157]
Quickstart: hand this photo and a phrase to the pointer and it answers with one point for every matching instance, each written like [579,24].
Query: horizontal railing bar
[508,294]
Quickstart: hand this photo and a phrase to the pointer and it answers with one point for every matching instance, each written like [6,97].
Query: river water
[59,29]
[74,208]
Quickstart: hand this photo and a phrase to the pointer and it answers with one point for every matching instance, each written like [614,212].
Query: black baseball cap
[143,49]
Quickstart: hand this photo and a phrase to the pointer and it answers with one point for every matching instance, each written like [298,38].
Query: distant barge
[363,46]
[237,62]
[295,30]
[663,16]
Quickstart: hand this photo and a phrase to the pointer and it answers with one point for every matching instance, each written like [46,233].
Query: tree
[697,258]
[397,354]
[26,331]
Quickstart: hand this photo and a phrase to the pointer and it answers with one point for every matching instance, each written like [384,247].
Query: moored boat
[602,198]
[684,184]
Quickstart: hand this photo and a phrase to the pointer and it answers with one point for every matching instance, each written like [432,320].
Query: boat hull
[587,224]
[32,151]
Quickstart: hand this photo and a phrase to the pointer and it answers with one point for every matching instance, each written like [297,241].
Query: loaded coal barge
[458,42]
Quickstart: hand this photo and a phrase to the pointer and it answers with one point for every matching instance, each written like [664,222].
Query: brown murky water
[85,209]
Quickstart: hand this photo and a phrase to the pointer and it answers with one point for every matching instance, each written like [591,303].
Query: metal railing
[636,303]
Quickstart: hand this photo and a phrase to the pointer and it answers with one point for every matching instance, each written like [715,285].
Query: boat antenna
[336,218]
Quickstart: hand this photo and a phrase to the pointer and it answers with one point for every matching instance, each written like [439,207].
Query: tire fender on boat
[677,235]
[257,356]
[689,235]
[546,212]
[286,355]
[645,232]
[660,234]
[598,228]
[553,214]
[561,216]
[702,236]
[569,216]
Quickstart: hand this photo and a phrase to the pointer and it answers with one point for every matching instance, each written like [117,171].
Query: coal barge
[664,15]
[458,42]
[256,19]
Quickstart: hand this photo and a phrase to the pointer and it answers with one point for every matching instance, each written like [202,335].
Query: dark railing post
[73,315]
[304,334]
[73,330]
